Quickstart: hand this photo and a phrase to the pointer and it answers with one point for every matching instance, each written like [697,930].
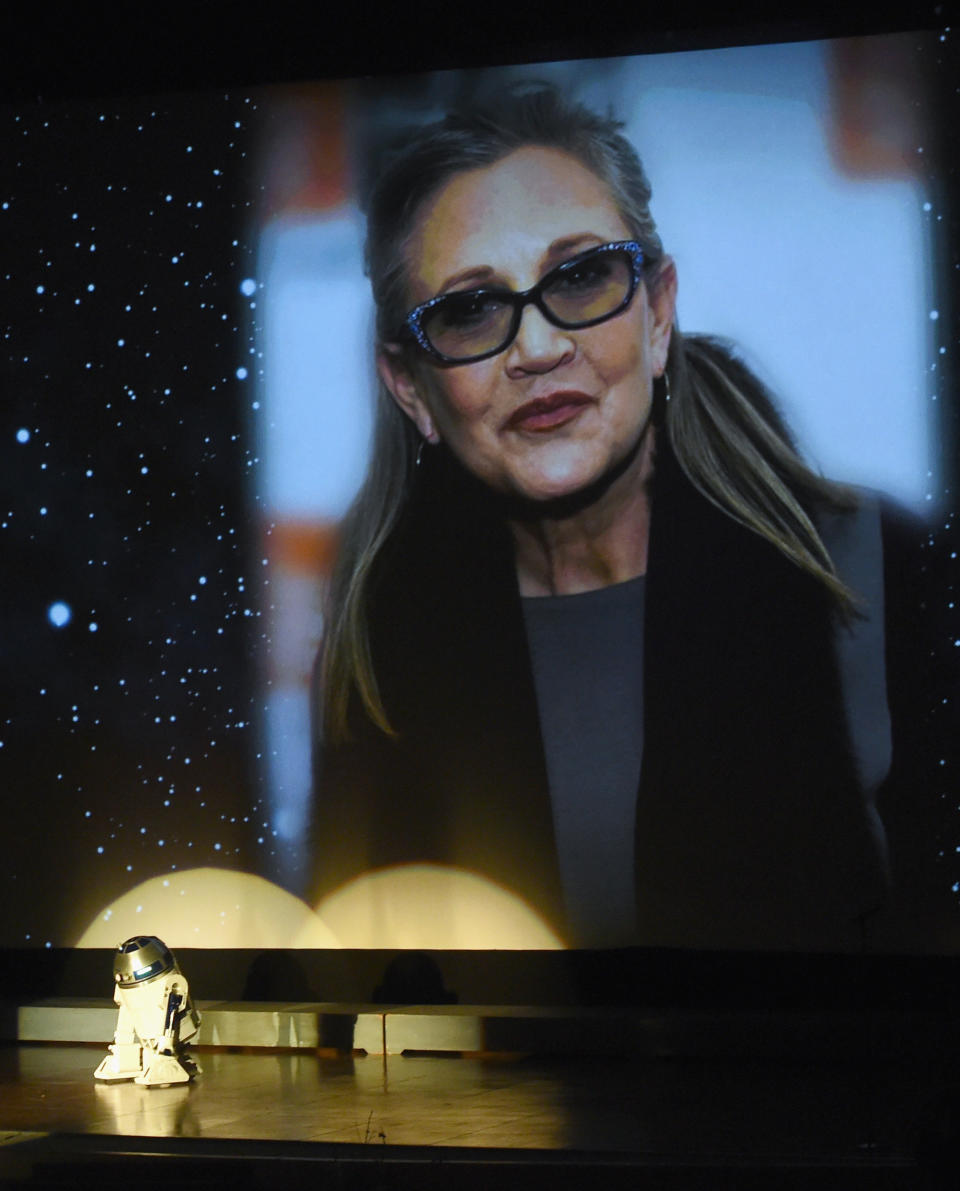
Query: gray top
[587,654]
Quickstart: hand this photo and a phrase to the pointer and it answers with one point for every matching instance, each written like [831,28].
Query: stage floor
[656,1114]
[652,1106]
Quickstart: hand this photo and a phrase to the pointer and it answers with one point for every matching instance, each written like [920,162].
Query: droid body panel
[155,1018]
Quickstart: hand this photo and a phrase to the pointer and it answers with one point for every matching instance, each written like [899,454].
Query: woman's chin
[556,488]
[575,483]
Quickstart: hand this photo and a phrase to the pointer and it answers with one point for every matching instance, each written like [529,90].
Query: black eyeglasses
[468,325]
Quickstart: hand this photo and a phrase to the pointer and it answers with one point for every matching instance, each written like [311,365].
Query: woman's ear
[662,301]
[397,376]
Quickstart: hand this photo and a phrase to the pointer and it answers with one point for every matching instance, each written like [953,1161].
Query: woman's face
[558,409]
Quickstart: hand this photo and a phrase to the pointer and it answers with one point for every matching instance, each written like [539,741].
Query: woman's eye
[583,275]
[467,309]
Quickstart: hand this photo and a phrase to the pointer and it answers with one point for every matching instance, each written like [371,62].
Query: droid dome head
[141,958]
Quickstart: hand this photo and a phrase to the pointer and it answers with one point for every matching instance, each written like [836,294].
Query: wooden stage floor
[430,1121]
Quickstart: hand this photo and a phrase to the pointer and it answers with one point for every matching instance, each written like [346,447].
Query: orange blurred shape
[302,547]
[304,152]
[880,126]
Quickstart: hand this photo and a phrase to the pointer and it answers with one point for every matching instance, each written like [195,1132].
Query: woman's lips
[547,413]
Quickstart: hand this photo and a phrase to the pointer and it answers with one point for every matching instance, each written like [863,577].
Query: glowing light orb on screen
[433,907]
[59,614]
[210,907]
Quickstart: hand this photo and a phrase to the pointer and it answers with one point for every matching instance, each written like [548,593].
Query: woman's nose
[539,346]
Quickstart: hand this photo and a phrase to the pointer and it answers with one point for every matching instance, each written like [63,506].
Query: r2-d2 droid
[155,1020]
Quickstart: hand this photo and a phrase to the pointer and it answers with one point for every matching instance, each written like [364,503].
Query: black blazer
[753,828]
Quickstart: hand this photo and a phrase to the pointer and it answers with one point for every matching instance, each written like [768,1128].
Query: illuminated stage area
[829,1114]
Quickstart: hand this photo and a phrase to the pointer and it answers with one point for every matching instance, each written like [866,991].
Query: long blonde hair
[721,423]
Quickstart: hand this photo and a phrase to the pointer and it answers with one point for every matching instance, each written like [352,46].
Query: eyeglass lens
[478,322]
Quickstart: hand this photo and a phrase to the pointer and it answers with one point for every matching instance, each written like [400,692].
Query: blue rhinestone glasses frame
[414,328]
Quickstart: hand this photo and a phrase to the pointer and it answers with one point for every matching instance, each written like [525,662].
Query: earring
[420,449]
[661,398]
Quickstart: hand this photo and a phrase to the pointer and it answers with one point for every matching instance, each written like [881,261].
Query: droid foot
[163,1070]
[123,1062]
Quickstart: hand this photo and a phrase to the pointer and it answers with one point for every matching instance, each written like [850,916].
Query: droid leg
[125,1060]
[165,1061]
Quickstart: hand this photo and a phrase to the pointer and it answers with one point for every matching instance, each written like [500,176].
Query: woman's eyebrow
[567,243]
[478,274]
